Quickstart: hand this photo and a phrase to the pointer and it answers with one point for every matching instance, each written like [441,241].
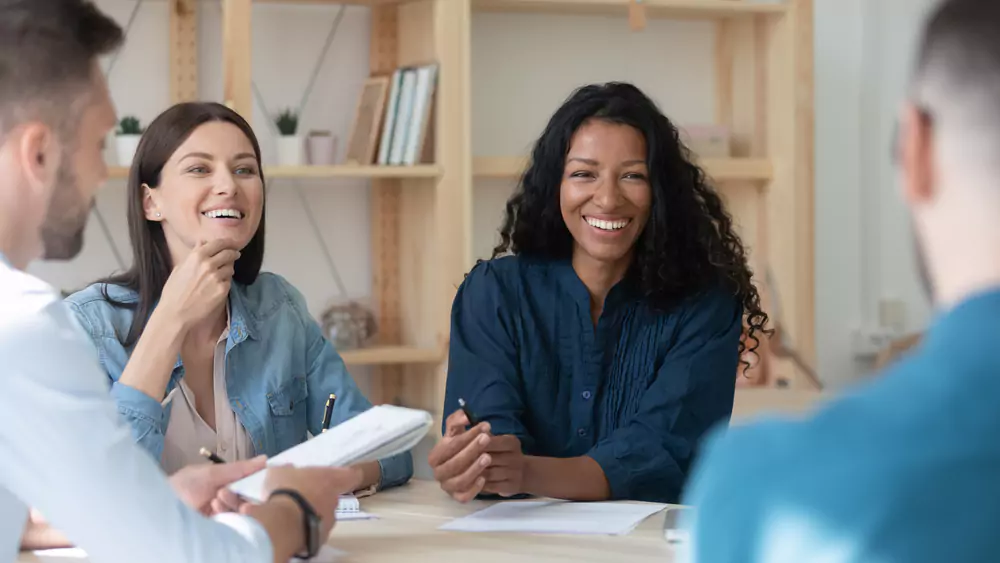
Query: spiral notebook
[377,433]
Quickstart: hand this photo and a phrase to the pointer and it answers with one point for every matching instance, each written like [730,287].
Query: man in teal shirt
[907,467]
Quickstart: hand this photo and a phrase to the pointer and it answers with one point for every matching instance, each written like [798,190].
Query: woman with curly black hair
[604,337]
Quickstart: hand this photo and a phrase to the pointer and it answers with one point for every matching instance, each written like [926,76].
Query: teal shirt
[903,469]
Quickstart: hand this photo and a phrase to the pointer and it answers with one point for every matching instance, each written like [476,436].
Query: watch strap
[309,518]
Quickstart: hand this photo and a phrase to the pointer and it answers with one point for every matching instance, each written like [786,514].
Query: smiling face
[210,188]
[605,194]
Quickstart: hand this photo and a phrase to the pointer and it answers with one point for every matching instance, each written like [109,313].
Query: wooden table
[406,531]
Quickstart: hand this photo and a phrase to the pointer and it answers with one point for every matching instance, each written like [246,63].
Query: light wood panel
[391,356]
[711,9]
[434,271]
[236,56]
[386,208]
[353,171]
[183,51]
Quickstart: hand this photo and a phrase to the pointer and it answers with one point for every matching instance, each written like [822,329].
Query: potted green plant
[127,139]
[290,146]
[320,147]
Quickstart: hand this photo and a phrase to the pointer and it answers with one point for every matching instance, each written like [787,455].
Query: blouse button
[581,431]
[586,395]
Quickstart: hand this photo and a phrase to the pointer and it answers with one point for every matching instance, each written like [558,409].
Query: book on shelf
[408,125]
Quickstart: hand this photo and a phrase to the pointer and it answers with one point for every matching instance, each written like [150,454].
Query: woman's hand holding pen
[460,458]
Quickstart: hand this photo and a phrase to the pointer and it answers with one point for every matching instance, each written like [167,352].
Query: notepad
[378,433]
[349,508]
[557,517]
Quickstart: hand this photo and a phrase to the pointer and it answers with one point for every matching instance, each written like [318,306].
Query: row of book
[406,128]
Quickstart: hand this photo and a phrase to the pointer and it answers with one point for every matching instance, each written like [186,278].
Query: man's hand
[202,487]
[505,475]
[321,486]
[459,459]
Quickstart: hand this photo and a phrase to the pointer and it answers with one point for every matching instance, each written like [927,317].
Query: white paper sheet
[326,554]
[557,517]
[377,433]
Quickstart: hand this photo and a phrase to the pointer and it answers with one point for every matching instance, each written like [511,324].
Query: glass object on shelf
[349,325]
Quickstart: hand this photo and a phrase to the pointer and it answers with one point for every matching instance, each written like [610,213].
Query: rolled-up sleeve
[649,457]
[146,417]
[482,356]
[328,374]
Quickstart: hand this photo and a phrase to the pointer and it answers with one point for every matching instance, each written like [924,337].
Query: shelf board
[383,355]
[711,9]
[353,171]
[337,171]
[117,172]
[719,169]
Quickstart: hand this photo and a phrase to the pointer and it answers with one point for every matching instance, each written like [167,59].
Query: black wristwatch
[310,522]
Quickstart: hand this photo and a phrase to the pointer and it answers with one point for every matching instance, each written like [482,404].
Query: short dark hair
[47,52]
[151,263]
[958,63]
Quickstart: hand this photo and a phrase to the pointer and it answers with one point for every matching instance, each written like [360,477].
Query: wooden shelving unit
[389,355]
[421,215]
[712,9]
[338,171]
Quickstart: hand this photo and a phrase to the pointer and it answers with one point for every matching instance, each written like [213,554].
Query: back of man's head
[957,80]
[47,53]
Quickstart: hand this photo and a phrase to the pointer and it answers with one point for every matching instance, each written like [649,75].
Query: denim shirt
[280,370]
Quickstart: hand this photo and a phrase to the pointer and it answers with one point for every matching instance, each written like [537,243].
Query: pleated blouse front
[636,392]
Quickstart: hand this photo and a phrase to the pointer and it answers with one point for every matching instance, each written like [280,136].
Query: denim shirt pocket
[288,412]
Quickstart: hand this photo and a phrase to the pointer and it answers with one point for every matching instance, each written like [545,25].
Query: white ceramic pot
[321,149]
[126,145]
[290,150]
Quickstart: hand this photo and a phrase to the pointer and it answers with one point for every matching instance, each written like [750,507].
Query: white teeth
[216,213]
[607,225]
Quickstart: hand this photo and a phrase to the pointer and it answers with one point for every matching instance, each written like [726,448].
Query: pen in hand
[473,419]
[211,456]
[328,412]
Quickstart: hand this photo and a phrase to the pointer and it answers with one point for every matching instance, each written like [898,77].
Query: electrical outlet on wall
[868,342]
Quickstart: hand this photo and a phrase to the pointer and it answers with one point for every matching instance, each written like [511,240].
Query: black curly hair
[688,244]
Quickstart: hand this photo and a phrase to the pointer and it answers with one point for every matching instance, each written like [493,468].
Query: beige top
[187,431]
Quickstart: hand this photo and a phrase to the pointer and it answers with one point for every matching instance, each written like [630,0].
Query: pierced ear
[149,205]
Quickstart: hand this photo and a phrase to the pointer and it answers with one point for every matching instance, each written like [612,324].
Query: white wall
[523,67]
[864,253]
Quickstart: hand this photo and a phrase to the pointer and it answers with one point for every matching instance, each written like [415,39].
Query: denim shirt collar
[242,323]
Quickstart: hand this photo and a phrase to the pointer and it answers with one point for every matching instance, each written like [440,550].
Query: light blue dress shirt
[64,451]
[280,370]
[903,469]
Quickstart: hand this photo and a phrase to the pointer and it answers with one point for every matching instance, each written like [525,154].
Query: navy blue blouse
[636,393]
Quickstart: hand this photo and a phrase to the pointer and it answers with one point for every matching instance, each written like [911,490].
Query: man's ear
[38,154]
[916,155]
[149,204]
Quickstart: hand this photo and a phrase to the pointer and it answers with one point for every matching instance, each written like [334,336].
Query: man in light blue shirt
[63,449]
[907,467]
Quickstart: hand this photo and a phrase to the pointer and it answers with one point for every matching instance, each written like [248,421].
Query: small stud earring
[157,213]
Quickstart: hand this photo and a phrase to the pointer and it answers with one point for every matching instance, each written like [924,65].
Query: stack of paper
[557,517]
